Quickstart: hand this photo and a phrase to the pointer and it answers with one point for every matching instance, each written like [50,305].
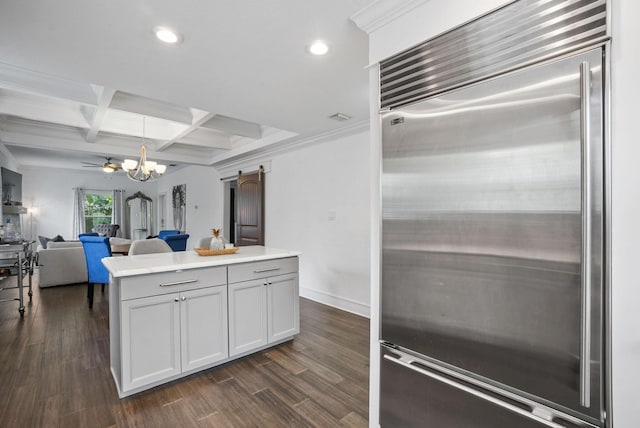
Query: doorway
[230,223]
[244,209]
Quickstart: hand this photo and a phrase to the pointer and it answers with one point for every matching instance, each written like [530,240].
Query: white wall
[205,200]
[376,245]
[625,235]
[51,191]
[435,16]
[304,190]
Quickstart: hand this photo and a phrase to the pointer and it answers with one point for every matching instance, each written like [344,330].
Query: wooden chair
[95,249]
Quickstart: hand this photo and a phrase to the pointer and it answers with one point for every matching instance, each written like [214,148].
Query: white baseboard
[342,303]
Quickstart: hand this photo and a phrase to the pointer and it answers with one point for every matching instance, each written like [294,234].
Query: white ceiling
[79,79]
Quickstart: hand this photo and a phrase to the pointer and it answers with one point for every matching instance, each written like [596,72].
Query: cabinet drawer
[263,269]
[171,282]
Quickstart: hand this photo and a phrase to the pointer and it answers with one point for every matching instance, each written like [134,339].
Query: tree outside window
[98,209]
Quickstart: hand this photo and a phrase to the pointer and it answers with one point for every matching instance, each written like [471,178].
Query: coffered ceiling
[81,80]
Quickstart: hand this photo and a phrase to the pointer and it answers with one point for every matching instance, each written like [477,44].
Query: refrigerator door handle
[585,316]
[540,415]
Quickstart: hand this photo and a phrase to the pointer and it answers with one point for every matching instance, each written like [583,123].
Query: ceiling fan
[107,167]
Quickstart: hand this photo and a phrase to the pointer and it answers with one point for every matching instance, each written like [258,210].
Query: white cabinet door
[247,316]
[203,321]
[150,339]
[283,307]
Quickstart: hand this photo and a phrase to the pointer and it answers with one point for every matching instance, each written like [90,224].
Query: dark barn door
[250,214]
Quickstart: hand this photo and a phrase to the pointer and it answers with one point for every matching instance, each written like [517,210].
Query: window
[98,209]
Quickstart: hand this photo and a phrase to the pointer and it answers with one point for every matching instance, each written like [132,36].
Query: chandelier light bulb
[129,164]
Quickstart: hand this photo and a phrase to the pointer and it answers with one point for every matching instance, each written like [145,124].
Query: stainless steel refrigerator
[492,252]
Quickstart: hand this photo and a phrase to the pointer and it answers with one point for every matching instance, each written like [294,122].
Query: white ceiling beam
[149,107]
[43,109]
[60,141]
[234,126]
[208,138]
[23,80]
[200,117]
[133,124]
[104,96]
[64,140]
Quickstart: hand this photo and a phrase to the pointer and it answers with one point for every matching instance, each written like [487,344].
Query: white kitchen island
[173,314]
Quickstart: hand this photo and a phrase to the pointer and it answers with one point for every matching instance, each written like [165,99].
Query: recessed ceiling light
[319,47]
[167,35]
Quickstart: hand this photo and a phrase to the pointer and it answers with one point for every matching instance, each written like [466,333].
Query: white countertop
[166,262]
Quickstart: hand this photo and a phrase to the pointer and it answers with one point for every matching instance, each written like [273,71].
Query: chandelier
[143,170]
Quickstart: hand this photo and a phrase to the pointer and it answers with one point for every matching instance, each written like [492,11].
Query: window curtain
[78,212]
[118,211]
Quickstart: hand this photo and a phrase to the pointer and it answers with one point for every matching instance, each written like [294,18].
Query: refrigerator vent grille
[513,36]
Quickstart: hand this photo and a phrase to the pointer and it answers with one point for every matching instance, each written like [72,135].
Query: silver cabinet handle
[280,280]
[266,270]
[533,414]
[184,298]
[176,299]
[585,316]
[186,281]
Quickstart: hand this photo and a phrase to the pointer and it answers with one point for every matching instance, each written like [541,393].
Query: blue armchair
[89,234]
[176,242]
[167,232]
[95,249]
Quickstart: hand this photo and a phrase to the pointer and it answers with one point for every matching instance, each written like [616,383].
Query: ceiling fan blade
[111,163]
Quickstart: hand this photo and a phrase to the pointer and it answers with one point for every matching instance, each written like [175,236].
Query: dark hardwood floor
[54,372]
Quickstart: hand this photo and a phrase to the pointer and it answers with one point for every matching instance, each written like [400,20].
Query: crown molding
[381,12]
[290,144]
[230,172]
